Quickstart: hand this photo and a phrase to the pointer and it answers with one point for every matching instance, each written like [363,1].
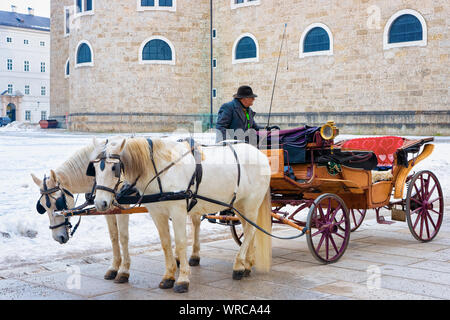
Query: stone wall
[362,86]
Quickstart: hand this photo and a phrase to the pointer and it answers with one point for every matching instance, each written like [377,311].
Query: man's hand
[270,128]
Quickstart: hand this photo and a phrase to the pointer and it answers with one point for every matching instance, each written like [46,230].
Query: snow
[24,234]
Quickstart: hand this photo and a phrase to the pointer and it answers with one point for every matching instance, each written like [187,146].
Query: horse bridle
[60,203]
[117,167]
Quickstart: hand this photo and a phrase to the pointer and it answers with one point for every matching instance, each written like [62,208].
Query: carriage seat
[383,147]
[292,141]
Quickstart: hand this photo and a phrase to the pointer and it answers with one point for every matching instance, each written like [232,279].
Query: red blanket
[383,147]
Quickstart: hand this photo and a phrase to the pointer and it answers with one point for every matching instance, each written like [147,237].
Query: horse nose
[63,239]
[104,205]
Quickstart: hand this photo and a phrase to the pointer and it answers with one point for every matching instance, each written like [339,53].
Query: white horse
[71,176]
[219,182]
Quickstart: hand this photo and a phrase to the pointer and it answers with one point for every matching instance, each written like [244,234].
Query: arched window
[84,55]
[316,40]
[245,49]
[67,69]
[157,50]
[404,29]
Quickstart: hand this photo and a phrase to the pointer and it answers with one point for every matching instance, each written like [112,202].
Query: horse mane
[73,171]
[136,155]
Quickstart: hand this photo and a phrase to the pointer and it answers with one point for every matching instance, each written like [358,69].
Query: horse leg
[111,273]
[240,266]
[162,224]
[194,260]
[179,230]
[124,270]
[250,258]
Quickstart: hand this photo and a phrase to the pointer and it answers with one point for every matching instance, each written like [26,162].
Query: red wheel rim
[424,206]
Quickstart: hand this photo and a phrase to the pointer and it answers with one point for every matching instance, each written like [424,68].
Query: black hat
[244,92]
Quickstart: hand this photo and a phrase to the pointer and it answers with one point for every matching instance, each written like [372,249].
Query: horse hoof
[166,284]
[110,275]
[181,287]
[193,262]
[122,278]
[247,273]
[237,275]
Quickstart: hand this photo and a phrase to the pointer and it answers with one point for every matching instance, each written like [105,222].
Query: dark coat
[232,116]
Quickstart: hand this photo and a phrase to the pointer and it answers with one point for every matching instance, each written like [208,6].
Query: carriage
[337,183]
[334,184]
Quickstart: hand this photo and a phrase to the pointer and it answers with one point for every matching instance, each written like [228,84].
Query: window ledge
[85,13]
[85,64]
[248,60]
[420,43]
[316,53]
[245,4]
[168,62]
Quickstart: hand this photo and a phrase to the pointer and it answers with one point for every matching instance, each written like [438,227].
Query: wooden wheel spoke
[318,232]
[335,212]
[320,242]
[432,201]
[431,219]
[425,218]
[334,244]
[418,193]
[416,201]
[414,211]
[421,226]
[435,211]
[327,246]
[417,220]
[431,192]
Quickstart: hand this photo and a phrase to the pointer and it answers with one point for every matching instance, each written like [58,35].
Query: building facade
[377,67]
[24,66]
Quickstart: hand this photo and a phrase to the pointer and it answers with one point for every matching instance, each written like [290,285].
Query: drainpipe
[211,64]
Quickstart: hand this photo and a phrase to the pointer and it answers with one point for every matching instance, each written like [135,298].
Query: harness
[60,203]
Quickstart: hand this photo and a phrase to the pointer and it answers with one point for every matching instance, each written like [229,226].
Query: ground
[381,261]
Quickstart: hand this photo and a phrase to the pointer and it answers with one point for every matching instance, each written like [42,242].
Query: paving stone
[423,288]
[199,291]
[441,255]
[131,294]
[63,281]
[376,257]
[267,289]
[14,289]
[363,292]
[305,269]
[416,274]
[433,265]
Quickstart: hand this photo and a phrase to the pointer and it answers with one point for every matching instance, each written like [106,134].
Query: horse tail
[263,241]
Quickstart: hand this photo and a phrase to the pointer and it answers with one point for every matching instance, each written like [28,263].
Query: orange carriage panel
[381,192]
[276,161]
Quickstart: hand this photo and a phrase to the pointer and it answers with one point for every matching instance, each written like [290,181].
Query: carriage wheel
[329,224]
[356,218]
[237,232]
[424,206]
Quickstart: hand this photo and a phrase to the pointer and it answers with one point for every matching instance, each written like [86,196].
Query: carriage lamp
[329,131]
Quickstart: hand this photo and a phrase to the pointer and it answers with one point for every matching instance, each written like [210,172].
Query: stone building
[375,67]
[24,65]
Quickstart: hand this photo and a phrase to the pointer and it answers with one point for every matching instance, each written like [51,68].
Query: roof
[26,21]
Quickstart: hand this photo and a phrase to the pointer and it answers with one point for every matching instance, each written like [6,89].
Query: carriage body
[337,200]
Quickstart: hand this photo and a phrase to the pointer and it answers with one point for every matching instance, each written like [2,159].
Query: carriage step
[398,215]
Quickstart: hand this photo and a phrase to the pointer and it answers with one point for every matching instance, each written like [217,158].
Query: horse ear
[36,180]
[122,145]
[53,175]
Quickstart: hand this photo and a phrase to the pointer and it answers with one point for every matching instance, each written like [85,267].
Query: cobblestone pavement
[381,262]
